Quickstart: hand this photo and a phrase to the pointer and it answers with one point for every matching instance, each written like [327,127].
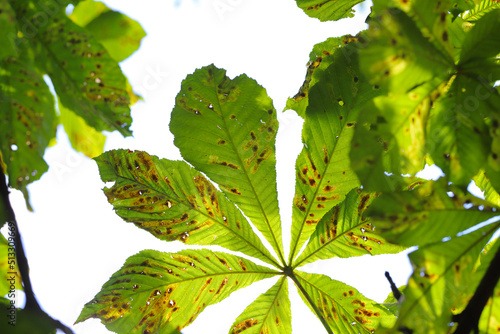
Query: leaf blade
[174,202]
[269,313]
[343,307]
[328,10]
[343,232]
[207,123]
[169,290]
[323,171]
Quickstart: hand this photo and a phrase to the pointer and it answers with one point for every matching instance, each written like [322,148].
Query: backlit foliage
[417,87]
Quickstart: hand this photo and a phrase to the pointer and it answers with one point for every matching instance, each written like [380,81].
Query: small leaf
[226,129]
[173,201]
[440,282]
[269,313]
[83,138]
[427,213]
[345,309]
[343,232]
[156,291]
[328,10]
[323,172]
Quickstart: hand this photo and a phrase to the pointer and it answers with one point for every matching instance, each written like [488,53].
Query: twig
[468,320]
[395,291]
[22,262]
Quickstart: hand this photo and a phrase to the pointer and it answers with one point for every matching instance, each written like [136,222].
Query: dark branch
[395,291]
[22,262]
[468,320]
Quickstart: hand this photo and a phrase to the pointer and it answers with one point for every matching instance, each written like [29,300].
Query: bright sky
[75,242]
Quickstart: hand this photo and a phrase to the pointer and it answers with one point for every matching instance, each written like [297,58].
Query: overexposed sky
[75,242]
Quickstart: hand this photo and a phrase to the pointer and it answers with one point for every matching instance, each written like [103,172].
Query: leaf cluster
[417,87]
[77,55]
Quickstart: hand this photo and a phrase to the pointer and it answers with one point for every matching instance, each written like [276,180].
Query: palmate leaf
[86,79]
[343,232]
[441,281]
[319,59]
[226,129]
[439,97]
[173,201]
[343,307]
[269,313]
[427,214]
[328,10]
[323,172]
[164,292]
[28,120]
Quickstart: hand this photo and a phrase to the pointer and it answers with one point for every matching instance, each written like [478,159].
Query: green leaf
[28,120]
[328,10]
[86,79]
[392,136]
[8,37]
[83,138]
[163,292]
[427,213]
[269,313]
[398,56]
[480,9]
[440,281]
[226,129]
[457,137]
[319,59]
[323,172]
[175,202]
[118,33]
[490,318]
[343,232]
[8,265]
[482,40]
[86,11]
[343,307]
[490,194]
[432,19]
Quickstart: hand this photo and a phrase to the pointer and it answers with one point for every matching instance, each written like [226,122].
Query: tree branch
[22,262]
[468,320]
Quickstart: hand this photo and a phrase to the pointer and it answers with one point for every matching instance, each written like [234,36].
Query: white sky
[74,241]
